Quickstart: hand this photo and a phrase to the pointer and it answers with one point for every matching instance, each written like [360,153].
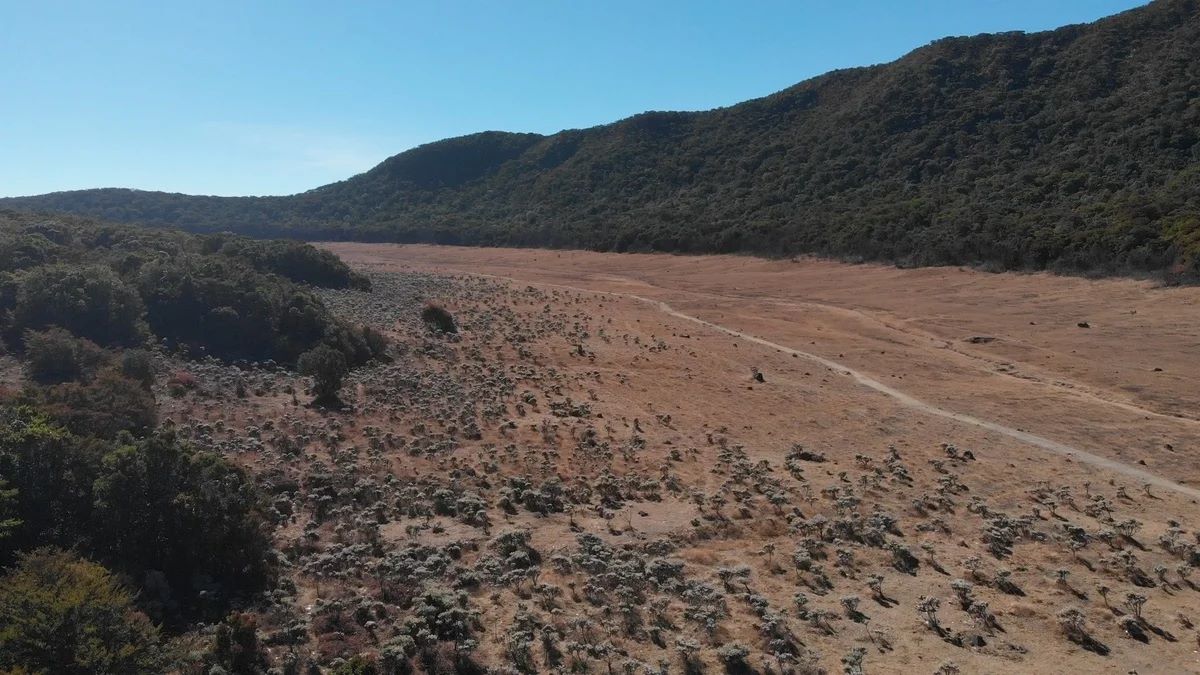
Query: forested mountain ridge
[1071,149]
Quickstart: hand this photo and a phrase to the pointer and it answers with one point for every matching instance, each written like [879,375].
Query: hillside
[1073,149]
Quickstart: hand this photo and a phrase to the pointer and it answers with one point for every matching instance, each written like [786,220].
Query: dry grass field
[647,463]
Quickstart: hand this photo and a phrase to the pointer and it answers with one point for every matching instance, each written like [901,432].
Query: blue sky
[249,97]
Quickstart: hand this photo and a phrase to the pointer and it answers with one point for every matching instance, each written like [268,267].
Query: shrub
[137,365]
[236,647]
[103,407]
[90,301]
[55,355]
[8,510]
[62,614]
[356,665]
[327,367]
[733,655]
[181,381]
[438,318]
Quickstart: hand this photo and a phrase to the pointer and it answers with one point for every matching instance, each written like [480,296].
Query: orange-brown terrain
[649,463]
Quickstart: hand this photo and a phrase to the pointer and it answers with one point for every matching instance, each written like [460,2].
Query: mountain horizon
[1072,149]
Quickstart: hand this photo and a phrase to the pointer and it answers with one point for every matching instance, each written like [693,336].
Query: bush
[8,510]
[54,356]
[90,301]
[103,407]
[437,318]
[357,665]
[62,614]
[137,365]
[327,367]
[236,648]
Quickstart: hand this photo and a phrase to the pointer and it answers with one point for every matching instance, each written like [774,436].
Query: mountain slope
[1077,148]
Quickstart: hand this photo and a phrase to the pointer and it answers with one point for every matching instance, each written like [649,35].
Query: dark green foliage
[54,356]
[22,250]
[160,505]
[8,510]
[213,305]
[219,295]
[51,471]
[236,648]
[90,301]
[104,407]
[294,260]
[357,665]
[137,365]
[327,367]
[184,522]
[1073,149]
[438,318]
[64,615]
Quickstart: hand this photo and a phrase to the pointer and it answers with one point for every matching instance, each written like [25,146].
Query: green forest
[113,531]
[1075,150]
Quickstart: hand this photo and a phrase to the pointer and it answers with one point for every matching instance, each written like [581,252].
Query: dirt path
[985,363]
[917,404]
[903,398]
[1119,383]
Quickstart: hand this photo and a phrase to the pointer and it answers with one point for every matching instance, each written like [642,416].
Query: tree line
[114,533]
[1076,150]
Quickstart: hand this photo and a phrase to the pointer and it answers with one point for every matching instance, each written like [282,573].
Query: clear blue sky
[251,97]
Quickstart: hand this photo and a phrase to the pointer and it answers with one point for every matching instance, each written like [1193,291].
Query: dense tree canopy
[218,295]
[150,506]
[91,301]
[60,614]
[92,312]
[1072,149]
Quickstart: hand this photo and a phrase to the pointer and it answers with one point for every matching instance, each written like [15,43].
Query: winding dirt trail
[901,397]
[917,404]
[1120,384]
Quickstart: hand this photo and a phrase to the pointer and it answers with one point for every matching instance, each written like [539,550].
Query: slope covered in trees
[161,531]
[219,295]
[1073,149]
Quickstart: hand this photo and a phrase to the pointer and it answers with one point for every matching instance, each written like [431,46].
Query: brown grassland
[749,444]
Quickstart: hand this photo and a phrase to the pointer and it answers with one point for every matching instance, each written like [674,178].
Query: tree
[1134,603]
[8,509]
[62,614]
[90,301]
[162,505]
[137,365]
[327,367]
[236,648]
[51,472]
[103,408]
[54,356]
